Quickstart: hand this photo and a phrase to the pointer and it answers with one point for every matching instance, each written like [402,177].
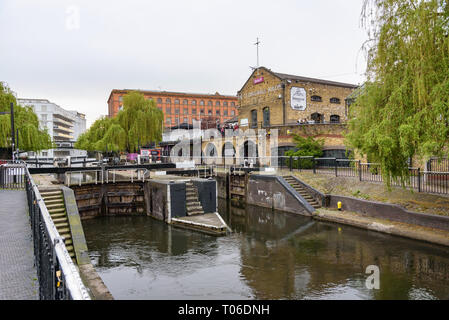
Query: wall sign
[258,80]
[244,122]
[298,99]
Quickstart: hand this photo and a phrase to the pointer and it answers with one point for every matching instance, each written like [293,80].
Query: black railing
[418,180]
[57,274]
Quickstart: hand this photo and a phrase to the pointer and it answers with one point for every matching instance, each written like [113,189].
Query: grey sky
[190,46]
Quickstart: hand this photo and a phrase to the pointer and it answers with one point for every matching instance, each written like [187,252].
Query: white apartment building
[62,125]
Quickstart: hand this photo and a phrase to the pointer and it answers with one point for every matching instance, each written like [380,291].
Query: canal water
[270,255]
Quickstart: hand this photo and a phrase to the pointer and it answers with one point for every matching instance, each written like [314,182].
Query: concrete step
[69,248]
[55,206]
[59,220]
[193,204]
[64,231]
[53,201]
[68,242]
[191,198]
[50,193]
[61,225]
[53,197]
[56,211]
[58,215]
[195,213]
[194,208]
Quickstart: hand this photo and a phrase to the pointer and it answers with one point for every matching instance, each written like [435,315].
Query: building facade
[179,107]
[270,98]
[296,105]
[63,126]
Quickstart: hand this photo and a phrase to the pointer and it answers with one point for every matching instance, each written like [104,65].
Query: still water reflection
[270,255]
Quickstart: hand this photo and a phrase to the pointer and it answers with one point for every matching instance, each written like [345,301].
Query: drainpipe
[283,104]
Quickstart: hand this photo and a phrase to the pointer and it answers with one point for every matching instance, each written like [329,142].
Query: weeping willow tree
[403,109]
[30,137]
[138,124]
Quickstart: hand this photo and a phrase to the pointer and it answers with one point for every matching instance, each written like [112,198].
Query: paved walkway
[18,278]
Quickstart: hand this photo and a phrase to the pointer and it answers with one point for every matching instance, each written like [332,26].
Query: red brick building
[180,107]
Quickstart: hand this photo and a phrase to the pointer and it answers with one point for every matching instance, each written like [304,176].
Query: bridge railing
[100,176]
[12,175]
[58,276]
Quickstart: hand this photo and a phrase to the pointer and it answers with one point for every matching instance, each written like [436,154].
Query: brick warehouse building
[181,107]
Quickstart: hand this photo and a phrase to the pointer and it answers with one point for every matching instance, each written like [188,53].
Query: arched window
[193,102]
[317,117]
[159,100]
[335,100]
[316,98]
[254,118]
[225,104]
[232,104]
[209,103]
[201,102]
[185,101]
[217,103]
[266,116]
[168,101]
[176,101]
[335,118]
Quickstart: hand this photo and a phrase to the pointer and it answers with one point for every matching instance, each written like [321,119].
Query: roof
[284,76]
[174,93]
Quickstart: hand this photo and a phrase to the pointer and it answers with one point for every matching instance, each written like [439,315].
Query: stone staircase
[302,191]
[193,204]
[54,201]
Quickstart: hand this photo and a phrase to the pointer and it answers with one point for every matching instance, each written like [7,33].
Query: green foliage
[305,147]
[31,138]
[139,123]
[403,111]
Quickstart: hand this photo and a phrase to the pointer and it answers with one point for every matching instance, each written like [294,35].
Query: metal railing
[58,276]
[100,176]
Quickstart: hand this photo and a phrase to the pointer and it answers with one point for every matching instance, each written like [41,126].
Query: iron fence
[58,276]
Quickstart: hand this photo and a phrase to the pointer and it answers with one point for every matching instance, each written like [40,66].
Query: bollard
[339,205]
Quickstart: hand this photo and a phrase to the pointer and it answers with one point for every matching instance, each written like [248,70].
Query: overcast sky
[74,53]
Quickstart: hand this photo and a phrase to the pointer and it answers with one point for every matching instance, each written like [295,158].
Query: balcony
[62,136]
[63,129]
[62,121]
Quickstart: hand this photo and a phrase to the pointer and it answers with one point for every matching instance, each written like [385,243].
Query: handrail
[71,275]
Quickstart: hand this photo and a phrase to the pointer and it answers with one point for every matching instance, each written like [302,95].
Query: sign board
[244,122]
[298,98]
[144,152]
[258,80]
[185,164]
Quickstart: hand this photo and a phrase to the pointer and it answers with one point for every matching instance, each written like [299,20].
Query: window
[232,113]
[217,104]
[168,101]
[186,111]
[159,100]
[202,103]
[185,102]
[316,98]
[186,120]
[168,110]
[193,102]
[232,104]
[44,117]
[318,118]
[202,111]
[44,153]
[217,112]
[225,104]
[176,110]
[209,112]
[335,118]
[168,121]
[266,116]
[254,118]
[176,101]
[120,98]
[193,110]
[44,108]
[209,103]
[225,112]
[335,100]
